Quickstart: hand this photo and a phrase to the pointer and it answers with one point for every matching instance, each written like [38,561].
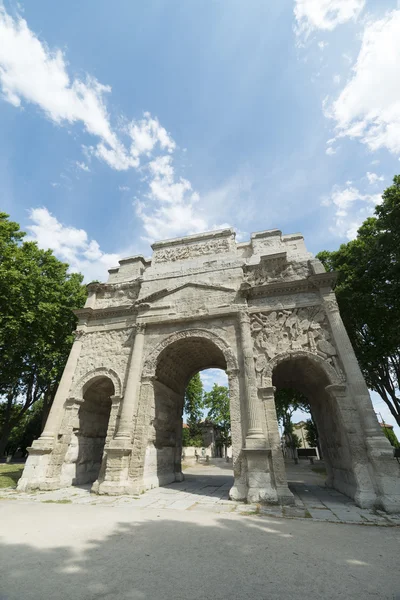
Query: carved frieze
[283,331]
[188,251]
[276,270]
[116,295]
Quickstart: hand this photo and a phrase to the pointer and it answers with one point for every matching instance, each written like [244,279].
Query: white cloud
[325,15]
[368,107]
[336,79]
[70,245]
[373,177]
[211,376]
[322,45]
[31,72]
[351,209]
[330,151]
[124,188]
[83,166]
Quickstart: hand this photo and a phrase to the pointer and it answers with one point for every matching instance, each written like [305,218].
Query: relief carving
[275,270]
[116,295]
[192,250]
[285,331]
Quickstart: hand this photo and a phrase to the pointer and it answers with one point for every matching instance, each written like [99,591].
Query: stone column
[354,376]
[255,436]
[381,465]
[56,413]
[277,463]
[239,489]
[130,401]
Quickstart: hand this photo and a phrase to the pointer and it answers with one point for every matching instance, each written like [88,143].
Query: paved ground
[85,552]
[206,489]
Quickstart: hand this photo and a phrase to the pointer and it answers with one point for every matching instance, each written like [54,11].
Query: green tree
[287,401]
[27,429]
[391,436]
[217,402]
[368,293]
[37,296]
[192,408]
[311,434]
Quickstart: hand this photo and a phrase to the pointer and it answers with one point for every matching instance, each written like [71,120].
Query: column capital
[115,400]
[244,316]
[330,304]
[140,327]
[146,379]
[266,393]
[337,389]
[71,401]
[232,372]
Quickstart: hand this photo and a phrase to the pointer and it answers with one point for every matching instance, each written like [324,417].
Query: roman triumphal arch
[263,311]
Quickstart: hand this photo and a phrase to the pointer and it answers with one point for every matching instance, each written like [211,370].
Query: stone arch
[167,370]
[79,388]
[151,361]
[333,376]
[326,393]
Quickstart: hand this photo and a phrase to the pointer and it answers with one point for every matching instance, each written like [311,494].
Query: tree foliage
[217,402]
[391,436]
[37,296]
[368,293]
[193,409]
[311,434]
[287,401]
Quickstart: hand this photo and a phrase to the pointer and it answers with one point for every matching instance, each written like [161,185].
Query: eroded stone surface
[264,311]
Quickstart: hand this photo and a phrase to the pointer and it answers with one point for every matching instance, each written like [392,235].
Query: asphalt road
[57,551]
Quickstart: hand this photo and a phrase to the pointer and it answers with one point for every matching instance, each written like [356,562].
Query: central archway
[172,364]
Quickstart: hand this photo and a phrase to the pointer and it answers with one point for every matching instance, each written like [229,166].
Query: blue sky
[144,120]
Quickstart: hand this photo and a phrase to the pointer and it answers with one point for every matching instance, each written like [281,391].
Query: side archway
[333,377]
[314,377]
[79,388]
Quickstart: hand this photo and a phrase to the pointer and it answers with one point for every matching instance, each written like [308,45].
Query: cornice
[90,314]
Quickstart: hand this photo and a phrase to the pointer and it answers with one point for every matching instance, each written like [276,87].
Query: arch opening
[176,365]
[90,436]
[332,457]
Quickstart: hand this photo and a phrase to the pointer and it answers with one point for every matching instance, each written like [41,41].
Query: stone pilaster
[277,463]
[115,473]
[130,402]
[383,470]
[354,376]
[56,413]
[255,437]
[42,468]
[239,489]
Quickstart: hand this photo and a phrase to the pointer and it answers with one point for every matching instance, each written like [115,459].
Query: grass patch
[9,475]
[64,501]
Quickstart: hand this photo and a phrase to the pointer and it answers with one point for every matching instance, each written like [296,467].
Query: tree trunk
[4,435]
[6,429]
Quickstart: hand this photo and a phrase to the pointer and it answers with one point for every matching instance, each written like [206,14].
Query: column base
[116,480]
[34,476]
[261,486]
[256,443]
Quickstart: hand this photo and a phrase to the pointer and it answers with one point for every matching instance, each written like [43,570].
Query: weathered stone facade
[263,311]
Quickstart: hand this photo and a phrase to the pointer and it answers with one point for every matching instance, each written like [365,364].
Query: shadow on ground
[94,552]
